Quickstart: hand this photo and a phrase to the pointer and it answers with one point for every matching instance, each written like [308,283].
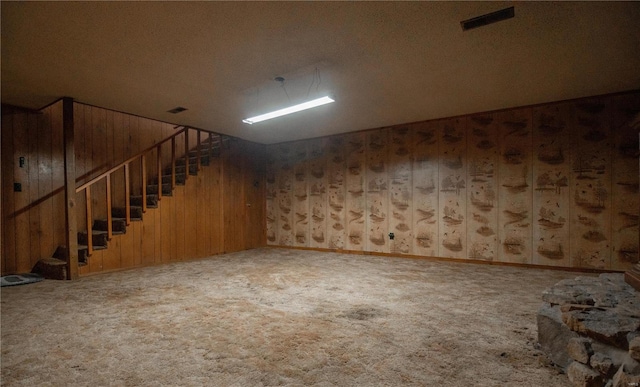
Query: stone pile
[590,327]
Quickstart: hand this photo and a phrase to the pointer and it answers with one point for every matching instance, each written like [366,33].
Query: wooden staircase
[153,189]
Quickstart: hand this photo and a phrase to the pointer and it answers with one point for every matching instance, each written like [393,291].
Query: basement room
[320,193]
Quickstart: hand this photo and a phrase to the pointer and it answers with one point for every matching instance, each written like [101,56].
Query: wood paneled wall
[220,210]
[554,184]
[32,220]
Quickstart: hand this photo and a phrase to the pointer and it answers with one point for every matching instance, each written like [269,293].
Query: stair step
[61,253]
[82,255]
[51,268]
[204,152]
[152,200]
[121,212]
[204,160]
[98,238]
[153,189]
[180,179]
[193,170]
[118,225]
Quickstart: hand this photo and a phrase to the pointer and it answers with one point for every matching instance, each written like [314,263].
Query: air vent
[487,19]
[177,110]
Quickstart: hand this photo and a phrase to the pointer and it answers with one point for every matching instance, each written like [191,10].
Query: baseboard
[457,260]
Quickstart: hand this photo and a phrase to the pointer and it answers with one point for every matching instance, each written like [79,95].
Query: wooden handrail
[127,161]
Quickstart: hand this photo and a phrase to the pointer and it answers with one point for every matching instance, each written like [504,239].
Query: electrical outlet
[391,236]
[21,161]
[17,187]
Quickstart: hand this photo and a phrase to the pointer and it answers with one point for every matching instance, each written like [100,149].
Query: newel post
[71,228]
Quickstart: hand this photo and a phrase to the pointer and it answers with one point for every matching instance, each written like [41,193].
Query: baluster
[198,150]
[87,194]
[127,197]
[143,170]
[173,163]
[109,216]
[159,167]
[186,153]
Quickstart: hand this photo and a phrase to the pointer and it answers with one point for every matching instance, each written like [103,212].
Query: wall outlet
[391,236]
[17,187]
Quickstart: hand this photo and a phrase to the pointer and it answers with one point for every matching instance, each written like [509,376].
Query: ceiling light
[288,110]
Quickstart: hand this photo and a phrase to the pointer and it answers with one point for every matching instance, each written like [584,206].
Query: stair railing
[126,165]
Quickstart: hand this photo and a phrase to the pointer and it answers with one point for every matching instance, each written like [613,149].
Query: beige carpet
[281,317]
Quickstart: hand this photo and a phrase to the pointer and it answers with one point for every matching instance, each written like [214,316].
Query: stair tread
[113,219]
[95,232]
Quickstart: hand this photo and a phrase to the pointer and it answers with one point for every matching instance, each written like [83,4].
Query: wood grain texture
[624,181]
[400,190]
[45,189]
[482,181]
[302,217]
[553,152]
[377,190]
[517,186]
[355,197]
[590,184]
[318,209]
[452,197]
[285,196]
[336,192]
[271,199]
[426,179]
[515,200]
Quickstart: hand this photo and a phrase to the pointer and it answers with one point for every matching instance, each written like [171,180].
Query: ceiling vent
[487,19]
[177,110]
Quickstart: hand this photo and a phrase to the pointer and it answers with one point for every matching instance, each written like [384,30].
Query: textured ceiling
[385,62]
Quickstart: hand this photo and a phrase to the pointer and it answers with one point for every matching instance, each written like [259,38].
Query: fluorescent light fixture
[291,109]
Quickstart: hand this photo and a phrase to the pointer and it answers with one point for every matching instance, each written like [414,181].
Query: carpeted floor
[281,317]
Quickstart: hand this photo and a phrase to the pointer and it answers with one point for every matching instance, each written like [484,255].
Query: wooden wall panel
[180,230]
[355,197]
[452,198]
[99,158]
[302,216]
[21,244]
[57,180]
[553,152]
[400,190]
[33,157]
[336,192]
[377,190]
[482,181]
[624,178]
[591,185]
[45,186]
[425,189]
[233,201]
[285,197]
[254,156]
[117,183]
[515,201]
[271,199]
[318,209]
